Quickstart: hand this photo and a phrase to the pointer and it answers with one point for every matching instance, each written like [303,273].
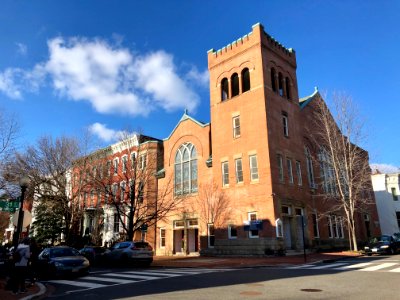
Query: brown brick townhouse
[244,182]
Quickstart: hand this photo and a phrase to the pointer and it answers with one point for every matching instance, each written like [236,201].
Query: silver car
[131,252]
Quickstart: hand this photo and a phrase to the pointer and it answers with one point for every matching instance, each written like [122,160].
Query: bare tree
[126,174]
[347,179]
[212,204]
[8,134]
[48,165]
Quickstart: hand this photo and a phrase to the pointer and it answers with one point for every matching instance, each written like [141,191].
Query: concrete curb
[42,291]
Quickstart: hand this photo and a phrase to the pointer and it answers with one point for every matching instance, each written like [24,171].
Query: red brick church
[247,180]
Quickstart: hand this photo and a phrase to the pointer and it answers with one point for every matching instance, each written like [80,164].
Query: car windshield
[122,245]
[385,238]
[63,252]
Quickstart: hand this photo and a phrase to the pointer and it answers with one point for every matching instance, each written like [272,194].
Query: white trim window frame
[298,173]
[124,163]
[122,190]
[109,165]
[114,191]
[225,173]
[232,232]
[210,235]
[116,224]
[239,170]
[314,217]
[253,234]
[142,161]
[290,170]
[280,167]
[330,227]
[133,160]
[285,121]
[236,127]
[162,238]
[310,168]
[253,167]
[279,228]
[115,165]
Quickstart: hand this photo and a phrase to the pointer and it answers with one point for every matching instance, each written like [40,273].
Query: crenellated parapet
[255,37]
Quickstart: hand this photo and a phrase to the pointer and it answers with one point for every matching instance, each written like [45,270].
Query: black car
[385,244]
[61,260]
[95,254]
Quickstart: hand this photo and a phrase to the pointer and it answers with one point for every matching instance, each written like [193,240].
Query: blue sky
[108,66]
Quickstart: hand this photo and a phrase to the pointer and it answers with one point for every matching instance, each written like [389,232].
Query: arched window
[288,94]
[224,89]
[245,80]
[280,84]
[310,169]
[186,169]
[327,173]
[235,84]
[273,82]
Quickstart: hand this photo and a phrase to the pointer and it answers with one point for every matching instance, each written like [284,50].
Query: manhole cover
[311,290]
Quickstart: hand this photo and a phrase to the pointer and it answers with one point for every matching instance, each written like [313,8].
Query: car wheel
[369,254]
[391,251]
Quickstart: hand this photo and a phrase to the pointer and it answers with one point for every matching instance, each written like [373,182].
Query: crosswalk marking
[79,283]
[300,267]
[326,266]
[397,270]
[356,266]
[165,274]
[346,266]
[378,267]
[188,272]
[100,280]
[125,275]
[115,280]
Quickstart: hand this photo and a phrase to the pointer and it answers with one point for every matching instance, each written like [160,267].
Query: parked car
[131,252]
[61,260]
[95,254]
[385,244]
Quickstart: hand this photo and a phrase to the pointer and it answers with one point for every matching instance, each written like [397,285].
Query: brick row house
[243,183]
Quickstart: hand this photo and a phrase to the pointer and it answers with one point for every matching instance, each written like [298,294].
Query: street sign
[26,220]
[143,228]
[9,206]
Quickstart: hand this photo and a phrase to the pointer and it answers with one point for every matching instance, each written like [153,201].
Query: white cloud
[200,78]
[106,134]
[22,49]
[8,83]
[111,78]
[384,168]
[156,75]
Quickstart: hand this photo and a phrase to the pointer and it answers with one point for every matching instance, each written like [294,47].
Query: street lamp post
[23,184]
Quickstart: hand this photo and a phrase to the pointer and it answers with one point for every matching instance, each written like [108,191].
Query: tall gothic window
[186,169]
[310,169]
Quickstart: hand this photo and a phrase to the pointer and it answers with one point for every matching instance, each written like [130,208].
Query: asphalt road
[361,278]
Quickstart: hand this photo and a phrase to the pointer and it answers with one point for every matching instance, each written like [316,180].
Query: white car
[131,252]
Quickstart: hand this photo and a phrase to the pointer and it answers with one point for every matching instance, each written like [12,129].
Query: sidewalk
[36,291]
[245,262]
